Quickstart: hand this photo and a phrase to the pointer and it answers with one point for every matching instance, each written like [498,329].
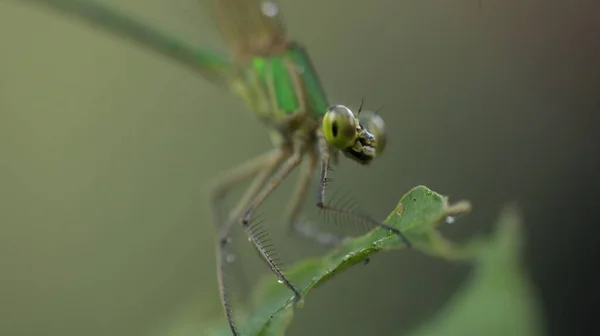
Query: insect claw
[296,301]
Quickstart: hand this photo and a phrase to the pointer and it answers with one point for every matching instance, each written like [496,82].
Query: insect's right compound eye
[375,125]
[340,127]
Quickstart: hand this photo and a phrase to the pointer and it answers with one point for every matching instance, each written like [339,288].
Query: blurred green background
[106,152]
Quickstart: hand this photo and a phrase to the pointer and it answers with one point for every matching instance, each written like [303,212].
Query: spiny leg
[296,203]
[292,162]
[325,153]
[232,178]
[262,168]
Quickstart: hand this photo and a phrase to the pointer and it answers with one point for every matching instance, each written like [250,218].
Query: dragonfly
[277,81]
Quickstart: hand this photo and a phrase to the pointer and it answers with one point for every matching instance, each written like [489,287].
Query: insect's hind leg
[274,181]
[261,168]
[222,185]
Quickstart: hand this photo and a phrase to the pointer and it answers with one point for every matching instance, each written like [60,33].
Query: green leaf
[417,215]
[498,299]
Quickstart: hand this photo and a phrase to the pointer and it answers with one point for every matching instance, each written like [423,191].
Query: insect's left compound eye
[340,127]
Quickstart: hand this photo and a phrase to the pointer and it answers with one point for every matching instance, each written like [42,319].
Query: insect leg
[325,152]
[260,167]
[296,203]
[274,181]
[224,184]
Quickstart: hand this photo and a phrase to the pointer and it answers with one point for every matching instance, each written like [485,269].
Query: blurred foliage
[499,298]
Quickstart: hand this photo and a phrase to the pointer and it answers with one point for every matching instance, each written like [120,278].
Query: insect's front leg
[296,225]
[325,152]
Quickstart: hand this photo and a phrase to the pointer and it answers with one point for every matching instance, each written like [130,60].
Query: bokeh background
[106,151]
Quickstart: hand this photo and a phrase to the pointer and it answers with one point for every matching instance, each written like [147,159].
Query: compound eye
[375,125]
[340,127]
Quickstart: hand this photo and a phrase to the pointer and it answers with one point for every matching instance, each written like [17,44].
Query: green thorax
[272,90]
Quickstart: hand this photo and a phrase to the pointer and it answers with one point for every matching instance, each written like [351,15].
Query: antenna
[362,101]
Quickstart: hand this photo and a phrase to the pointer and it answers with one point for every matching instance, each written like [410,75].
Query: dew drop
[280,281]
[450,220]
